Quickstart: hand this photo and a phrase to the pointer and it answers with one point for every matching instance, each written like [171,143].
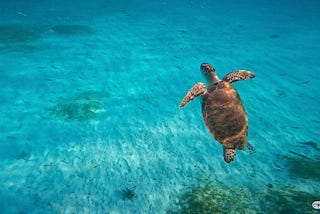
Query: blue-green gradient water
[89,117]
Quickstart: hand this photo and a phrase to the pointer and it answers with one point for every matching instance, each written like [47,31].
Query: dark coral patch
[210,198]
[128,193]
[216,198]
[80,108]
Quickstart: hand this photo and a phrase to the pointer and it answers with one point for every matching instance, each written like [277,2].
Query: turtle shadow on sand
[274,36]
[20,38]
[72,29]
[19,34]
[24,38]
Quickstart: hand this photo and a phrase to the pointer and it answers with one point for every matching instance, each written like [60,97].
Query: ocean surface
[90,119]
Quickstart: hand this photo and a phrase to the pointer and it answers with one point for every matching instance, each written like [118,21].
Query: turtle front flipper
[197,90]
[229,154]
[238,75]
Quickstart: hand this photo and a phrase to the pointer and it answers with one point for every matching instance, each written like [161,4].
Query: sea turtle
[222,109]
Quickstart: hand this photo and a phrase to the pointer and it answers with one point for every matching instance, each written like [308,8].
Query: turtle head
[209,73]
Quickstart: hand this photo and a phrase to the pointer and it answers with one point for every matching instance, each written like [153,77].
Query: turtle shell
[224,115]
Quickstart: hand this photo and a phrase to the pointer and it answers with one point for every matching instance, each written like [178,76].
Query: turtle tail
[229,154]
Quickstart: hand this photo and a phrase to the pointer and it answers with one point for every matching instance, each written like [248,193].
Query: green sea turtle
[222,109]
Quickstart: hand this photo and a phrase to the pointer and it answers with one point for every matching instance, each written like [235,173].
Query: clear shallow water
[89,106]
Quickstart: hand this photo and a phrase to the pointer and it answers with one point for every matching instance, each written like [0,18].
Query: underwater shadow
[305,168]
[306,165]
[21,38]
[16,33]
[70,30]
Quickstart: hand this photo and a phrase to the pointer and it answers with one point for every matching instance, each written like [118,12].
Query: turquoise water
[89,106]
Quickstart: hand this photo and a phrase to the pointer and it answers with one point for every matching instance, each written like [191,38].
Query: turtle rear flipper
[229,154]
[238,75]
